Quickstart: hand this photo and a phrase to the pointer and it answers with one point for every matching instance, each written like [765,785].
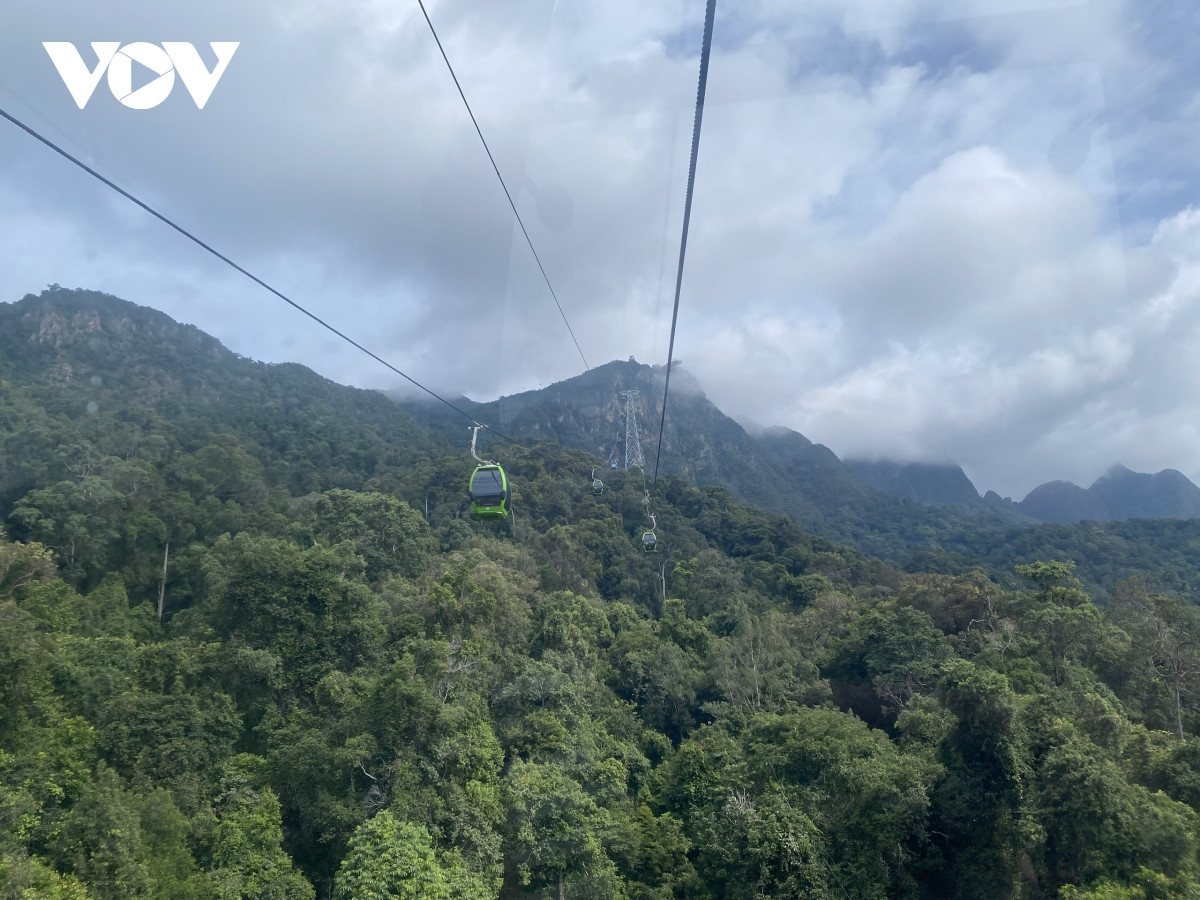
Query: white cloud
[922,228]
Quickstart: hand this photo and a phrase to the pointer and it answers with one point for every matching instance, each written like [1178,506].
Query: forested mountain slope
[81,353]
[231,667]
[937,484]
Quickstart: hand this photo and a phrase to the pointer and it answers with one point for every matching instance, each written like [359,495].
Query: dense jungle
[254,646]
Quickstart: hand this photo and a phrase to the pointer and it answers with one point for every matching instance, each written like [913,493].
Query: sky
[923,230]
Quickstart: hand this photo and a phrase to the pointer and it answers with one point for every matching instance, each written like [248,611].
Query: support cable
[496,168]
[709,12]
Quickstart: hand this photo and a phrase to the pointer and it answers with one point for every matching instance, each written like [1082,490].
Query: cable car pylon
[633,440]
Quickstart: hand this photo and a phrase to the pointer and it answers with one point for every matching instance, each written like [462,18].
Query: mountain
[93,351]
[1061,501]
[925,517]
[245,641]
[775,469]
[937,484]
[87,353]
[84,374]
[1117,494]
[586,412]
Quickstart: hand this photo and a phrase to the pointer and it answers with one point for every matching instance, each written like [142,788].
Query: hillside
[249,652]
[935,484]
[83,353]
[79,351]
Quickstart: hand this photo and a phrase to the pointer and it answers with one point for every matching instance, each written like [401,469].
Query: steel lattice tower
[633,441]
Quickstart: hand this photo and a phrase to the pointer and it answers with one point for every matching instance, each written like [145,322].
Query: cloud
[922,229]
[985,318]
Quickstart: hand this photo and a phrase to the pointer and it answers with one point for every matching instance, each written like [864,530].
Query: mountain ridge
[78,348]
[90,352]
[776,468]
[576,411]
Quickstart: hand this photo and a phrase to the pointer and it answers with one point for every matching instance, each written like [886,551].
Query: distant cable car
[490,492]
[612,464]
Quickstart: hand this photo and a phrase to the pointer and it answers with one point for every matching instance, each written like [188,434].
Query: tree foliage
[251,645]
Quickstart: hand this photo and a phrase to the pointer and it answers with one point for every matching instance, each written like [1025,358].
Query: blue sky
[922,230]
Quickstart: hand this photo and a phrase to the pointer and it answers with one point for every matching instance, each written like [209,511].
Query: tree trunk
[1178,710]
[162,585]
[562,891]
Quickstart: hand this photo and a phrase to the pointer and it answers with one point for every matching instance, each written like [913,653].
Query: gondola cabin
[649,542]
[597,486]
[612,464]
[490,492]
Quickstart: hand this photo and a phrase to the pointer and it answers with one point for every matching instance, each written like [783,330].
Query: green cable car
[489,488]
[649,541]
[490,492]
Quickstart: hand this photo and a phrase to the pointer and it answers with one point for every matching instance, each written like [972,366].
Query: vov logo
[163,62]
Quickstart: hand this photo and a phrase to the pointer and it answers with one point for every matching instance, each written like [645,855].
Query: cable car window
[487,483]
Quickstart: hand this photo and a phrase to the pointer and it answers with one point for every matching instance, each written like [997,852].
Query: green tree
[554,834]
[101,841]
[29,878]
[79,520]
[1166,637]
[1059,623]
[387,533]
[868,800]
[246,859]
[390,859]
[22,565]
[886,656]
[976,825]
[303,604]
[760,668]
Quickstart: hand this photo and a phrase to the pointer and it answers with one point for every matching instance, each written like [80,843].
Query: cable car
[649,541]
[597,486]
[612,464]
[490,492]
